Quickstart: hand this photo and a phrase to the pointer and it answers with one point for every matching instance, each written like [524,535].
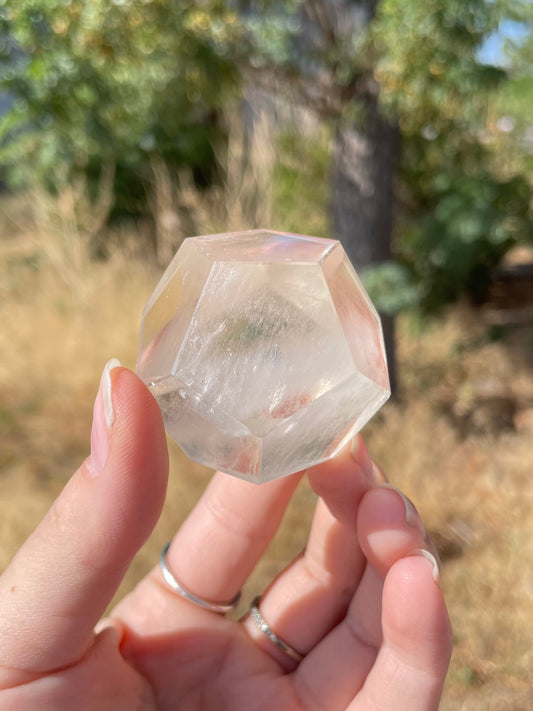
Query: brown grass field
[457,440]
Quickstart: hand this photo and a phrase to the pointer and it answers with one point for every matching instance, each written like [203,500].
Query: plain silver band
[265,628]
[180,590]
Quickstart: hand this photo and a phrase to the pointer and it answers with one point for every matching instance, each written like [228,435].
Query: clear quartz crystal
[263,351]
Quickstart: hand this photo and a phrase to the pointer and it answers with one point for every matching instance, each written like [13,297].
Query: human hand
[360,604]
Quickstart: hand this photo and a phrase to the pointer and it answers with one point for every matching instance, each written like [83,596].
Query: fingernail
[103,416]
[411,516]
[378,476]
[360,455]
[429,556]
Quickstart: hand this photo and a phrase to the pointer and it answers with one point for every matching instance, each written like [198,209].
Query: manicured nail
[103,416]
[411,516]
[429,556]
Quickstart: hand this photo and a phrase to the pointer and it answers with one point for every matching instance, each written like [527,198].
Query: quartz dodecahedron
[263,351]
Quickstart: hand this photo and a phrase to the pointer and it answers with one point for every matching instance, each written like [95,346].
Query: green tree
[403,84]
[132,82]
[97,82]
[459,211]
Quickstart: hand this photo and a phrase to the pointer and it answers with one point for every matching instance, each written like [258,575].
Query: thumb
[64,576]
[412,662]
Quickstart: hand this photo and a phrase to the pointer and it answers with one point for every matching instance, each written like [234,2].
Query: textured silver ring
[180,590]
[265,628]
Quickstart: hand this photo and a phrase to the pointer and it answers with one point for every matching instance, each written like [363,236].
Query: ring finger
[312,595]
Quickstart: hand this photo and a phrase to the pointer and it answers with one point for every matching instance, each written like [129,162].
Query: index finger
[64,576]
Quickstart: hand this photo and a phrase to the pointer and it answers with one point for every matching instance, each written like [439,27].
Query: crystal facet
[263,351]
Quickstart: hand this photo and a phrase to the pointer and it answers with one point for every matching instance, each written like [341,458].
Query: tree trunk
[364,162]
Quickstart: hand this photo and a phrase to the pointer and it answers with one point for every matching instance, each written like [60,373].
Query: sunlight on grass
[465,464]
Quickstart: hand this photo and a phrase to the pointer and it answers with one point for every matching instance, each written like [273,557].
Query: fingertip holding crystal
[263,351]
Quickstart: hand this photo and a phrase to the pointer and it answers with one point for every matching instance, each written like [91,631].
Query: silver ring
[180,590]
[265,628]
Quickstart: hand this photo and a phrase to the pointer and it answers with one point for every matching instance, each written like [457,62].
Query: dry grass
[466,462]
[242,202]
[460,436]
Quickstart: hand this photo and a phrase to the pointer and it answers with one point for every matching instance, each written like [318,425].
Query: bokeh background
[401,128]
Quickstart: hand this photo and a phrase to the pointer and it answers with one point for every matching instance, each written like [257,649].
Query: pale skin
[361,603]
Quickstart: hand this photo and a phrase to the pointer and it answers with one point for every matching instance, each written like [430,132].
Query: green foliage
[300,193]
[465,230]
[463,201]
[271,35]
[99,84]
[462,185]
[509,112]
[113,82]
[519,52]
[424,58]
[392,287]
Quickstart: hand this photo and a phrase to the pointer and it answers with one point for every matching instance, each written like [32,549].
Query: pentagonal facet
[263,351]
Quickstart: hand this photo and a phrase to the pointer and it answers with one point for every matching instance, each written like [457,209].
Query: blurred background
[404,129]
